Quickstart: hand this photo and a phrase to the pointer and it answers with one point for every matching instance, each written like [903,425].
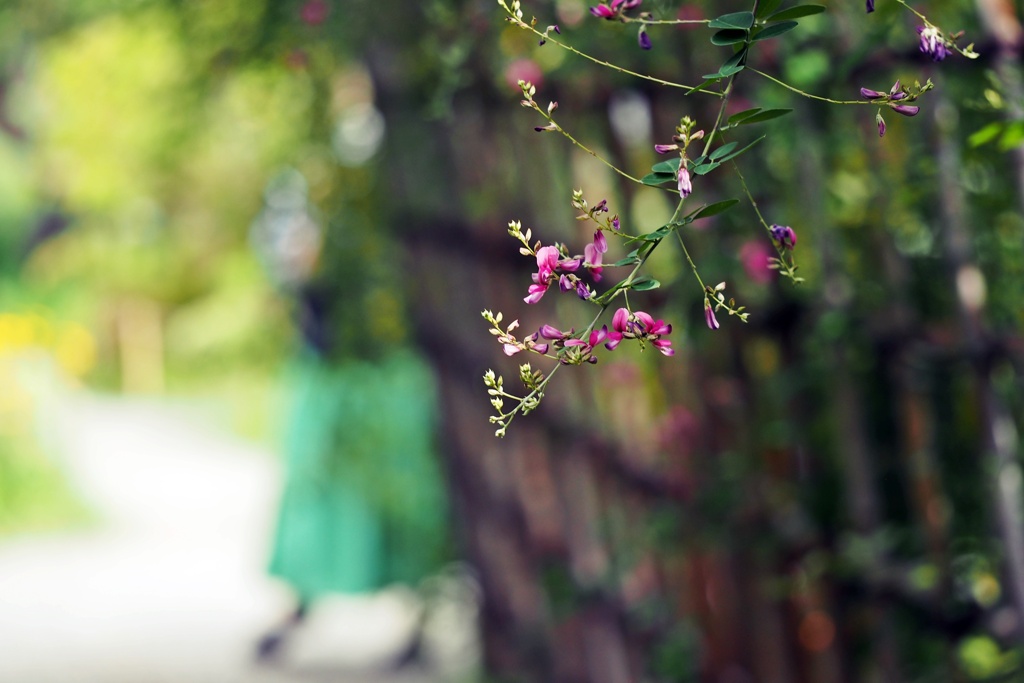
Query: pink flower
[685,186]
[593,254]
[315,12]
[755,255]
[584,349]
[642,326]
[547,262]
[523,70]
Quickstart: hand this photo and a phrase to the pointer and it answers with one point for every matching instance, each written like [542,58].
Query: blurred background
[198,197]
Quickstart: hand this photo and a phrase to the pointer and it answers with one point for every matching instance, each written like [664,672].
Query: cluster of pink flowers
[626,324]
[615,9]
[553,265]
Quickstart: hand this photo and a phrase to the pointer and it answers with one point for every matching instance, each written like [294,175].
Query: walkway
[168,586]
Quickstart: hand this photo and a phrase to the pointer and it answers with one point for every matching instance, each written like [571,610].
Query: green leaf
[740,20]
[733,65]
[774,30]
[658,234]
[714,78]
[716,208]
[670,167]
[739,152]
[723,150]
[986,134]
[1012,136]
[740,116]
[705,168]
[645,283]
[766,115]
[628,260]
[729,36]
[766,7]
[796,12]
[736,59]
[655,179]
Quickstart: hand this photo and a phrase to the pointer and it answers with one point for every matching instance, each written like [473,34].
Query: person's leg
[269,646]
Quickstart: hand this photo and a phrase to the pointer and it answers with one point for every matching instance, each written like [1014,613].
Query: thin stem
[609,65]
[808,95]
[663,22]
[588,150]
[790,266]
[915,12]
[746,191]
[693,266]
[718,118]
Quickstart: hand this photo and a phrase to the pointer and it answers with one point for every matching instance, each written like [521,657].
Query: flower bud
[644,39]
[906,109]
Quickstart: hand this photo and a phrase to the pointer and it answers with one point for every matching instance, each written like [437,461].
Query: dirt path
[168,585]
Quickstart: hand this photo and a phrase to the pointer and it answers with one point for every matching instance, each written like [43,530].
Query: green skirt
[364,504]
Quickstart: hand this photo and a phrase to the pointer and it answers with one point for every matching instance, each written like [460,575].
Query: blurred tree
[831,492]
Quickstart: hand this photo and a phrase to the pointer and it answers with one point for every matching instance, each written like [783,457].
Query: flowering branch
[515,16]
[581,274]
[529,90]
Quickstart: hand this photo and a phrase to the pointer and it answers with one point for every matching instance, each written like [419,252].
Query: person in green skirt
[364,505]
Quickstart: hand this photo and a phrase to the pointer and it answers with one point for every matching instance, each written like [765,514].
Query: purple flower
[644,39]
[603,12]
[870,6]
[685,186]
[933,44]
[615,223]
[662,149]
[893,94]
[906,109]
[881,124]
[709,316]
[784,235]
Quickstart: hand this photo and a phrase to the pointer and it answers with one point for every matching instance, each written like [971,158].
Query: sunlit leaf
[986,134]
